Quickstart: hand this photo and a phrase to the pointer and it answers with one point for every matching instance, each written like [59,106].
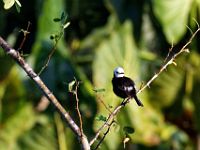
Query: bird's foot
[125,101]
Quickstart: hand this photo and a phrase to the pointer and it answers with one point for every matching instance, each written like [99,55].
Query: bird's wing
[128,85]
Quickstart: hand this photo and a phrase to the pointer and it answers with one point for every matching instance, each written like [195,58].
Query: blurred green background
[103,34]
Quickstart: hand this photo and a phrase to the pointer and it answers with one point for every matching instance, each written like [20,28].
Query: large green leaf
[46,27]
[173,15]
[119,49]
[15,127]
[116,50]
[168,86]
[195,87]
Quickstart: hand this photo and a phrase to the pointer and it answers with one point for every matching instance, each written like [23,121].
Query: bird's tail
[138,101]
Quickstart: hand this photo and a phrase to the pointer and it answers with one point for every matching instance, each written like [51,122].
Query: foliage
[9,3]
[102,35]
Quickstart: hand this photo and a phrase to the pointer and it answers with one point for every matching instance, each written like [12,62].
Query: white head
[119,72]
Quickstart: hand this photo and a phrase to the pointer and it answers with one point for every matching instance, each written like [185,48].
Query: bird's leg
[125,101]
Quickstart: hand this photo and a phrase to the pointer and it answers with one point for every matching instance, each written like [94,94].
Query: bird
[123,86]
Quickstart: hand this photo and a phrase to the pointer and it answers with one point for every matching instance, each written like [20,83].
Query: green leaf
[8,3]
[71,86]
[99,90]
[66,25]
[52,37]
[63,17]
[46,27]
[101,118]
[173,15]
[128,130]
[17,7]
[16,125]
[56,19]
[18,3]
[119,49]
[167,87]
[115,49]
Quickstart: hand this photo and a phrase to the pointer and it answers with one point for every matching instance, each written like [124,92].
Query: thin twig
[110,117]
[25,32]
[49,95]
[170,61]
[50,55]
[104,135]
[77,107]
[169,52]
[101,101]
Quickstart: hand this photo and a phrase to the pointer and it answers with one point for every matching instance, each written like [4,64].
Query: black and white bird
[123,86]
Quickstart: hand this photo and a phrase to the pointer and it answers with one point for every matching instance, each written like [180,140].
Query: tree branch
[49,95]
[168,61]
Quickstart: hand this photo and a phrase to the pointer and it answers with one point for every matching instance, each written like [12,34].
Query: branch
[77,106]
[25,32]
[49,95]
[119,107]
[170,61]
[104,135]
[106,123]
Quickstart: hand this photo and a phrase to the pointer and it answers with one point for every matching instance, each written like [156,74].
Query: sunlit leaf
[8,3]
[167,87]
[99,90]
[18,3]
[126,140]
[15,126]
[66,25]
[71,86]
[173,15]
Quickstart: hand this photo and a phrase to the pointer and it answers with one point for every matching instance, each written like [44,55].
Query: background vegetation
[136,35]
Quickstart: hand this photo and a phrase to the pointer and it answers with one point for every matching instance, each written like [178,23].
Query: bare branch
[25,32]
[49,56]
[49,95]
[170,61]
[77,106]
[104,135]
[106,123]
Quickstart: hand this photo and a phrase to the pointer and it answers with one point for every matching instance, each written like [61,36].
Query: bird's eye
[120,72]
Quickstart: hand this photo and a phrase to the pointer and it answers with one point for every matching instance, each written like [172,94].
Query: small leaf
[99,90]
[128,130]
[101,118]
[18,3]
[8,3]
[187,50]
[63,18]
[71,86]
[66,25]
[174,63]
[62,15]
[174,21]
[56,19]
[52,36]
[126,139]
[110,106]
[17,7]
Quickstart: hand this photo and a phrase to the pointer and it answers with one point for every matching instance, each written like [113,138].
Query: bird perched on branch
[123,86]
